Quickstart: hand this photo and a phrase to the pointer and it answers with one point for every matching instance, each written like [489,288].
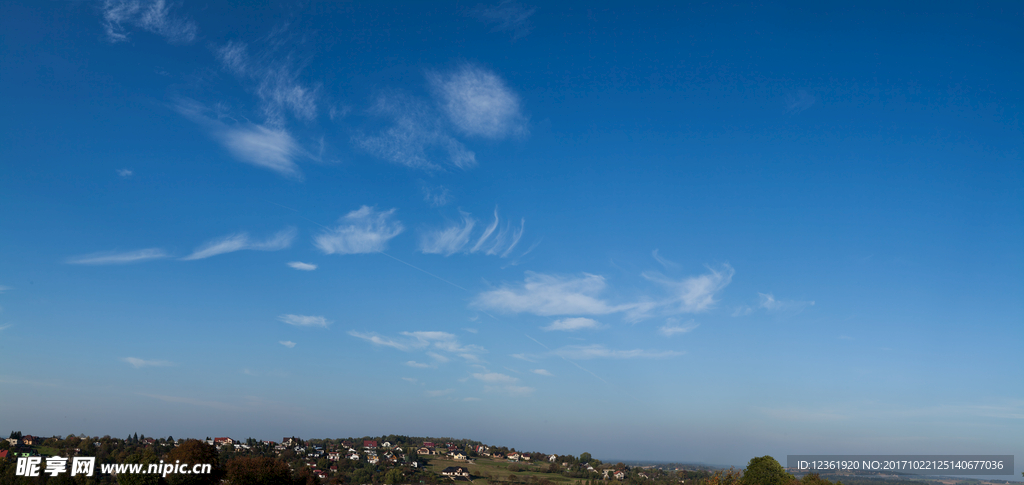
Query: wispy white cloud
[413,363]
[495,378]
[378,340]
[287,343]
[433,343]
[507,16]
[442,341]
[415,137]
[275,82]
[596,351]
[241,241]
[768,303]
[149,15]
[547,295]
[799,101]
[5,288]
[437,196]
[365,230]
[265,146]
[696,293]
[671,328]
[526,357]
[124,173]
[542,372]
[455,238]
[449,240]
[438,357]
[299,265]
[497,382]
[120,258]
[139,363]
[664,262]
[304,320]
[478,102]
[573,324]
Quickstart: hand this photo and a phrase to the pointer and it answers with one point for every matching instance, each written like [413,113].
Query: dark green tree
[146,458]
[765,470]
[258,471]
[195,452]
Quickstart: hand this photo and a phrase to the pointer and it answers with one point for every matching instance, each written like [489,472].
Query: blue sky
[672,232]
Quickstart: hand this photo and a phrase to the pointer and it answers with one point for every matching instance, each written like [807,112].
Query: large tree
[195,452]
[248,470]
[765,470]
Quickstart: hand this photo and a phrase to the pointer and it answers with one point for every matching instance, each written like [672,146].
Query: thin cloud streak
[287,343]
[120,258]
[670,328]
[596,351]
[140,363]
[241,241]
[299,265]
[264,146]
[572,324]
[305,320]
[506,16]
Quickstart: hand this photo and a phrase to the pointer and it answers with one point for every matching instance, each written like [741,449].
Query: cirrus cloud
[572,324]
[304,320]
[365,230]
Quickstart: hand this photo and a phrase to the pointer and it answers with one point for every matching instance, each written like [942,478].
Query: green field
[485,470]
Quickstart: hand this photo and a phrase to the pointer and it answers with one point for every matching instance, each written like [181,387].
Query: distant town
[391,459]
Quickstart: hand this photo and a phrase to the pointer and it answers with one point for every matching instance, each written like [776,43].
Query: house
[455,471]
[423,451]
[428,444]
[387,444]
[320,473]
[333,469]
[29,440]
[13,441]
[620,474]
[514,456]
[459,456]
[333,455]
[370,444]
[552,458]
[290,441]
[3,454]
[373,459]
[149,441]
[353,456]
[481,449]
[643,475]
